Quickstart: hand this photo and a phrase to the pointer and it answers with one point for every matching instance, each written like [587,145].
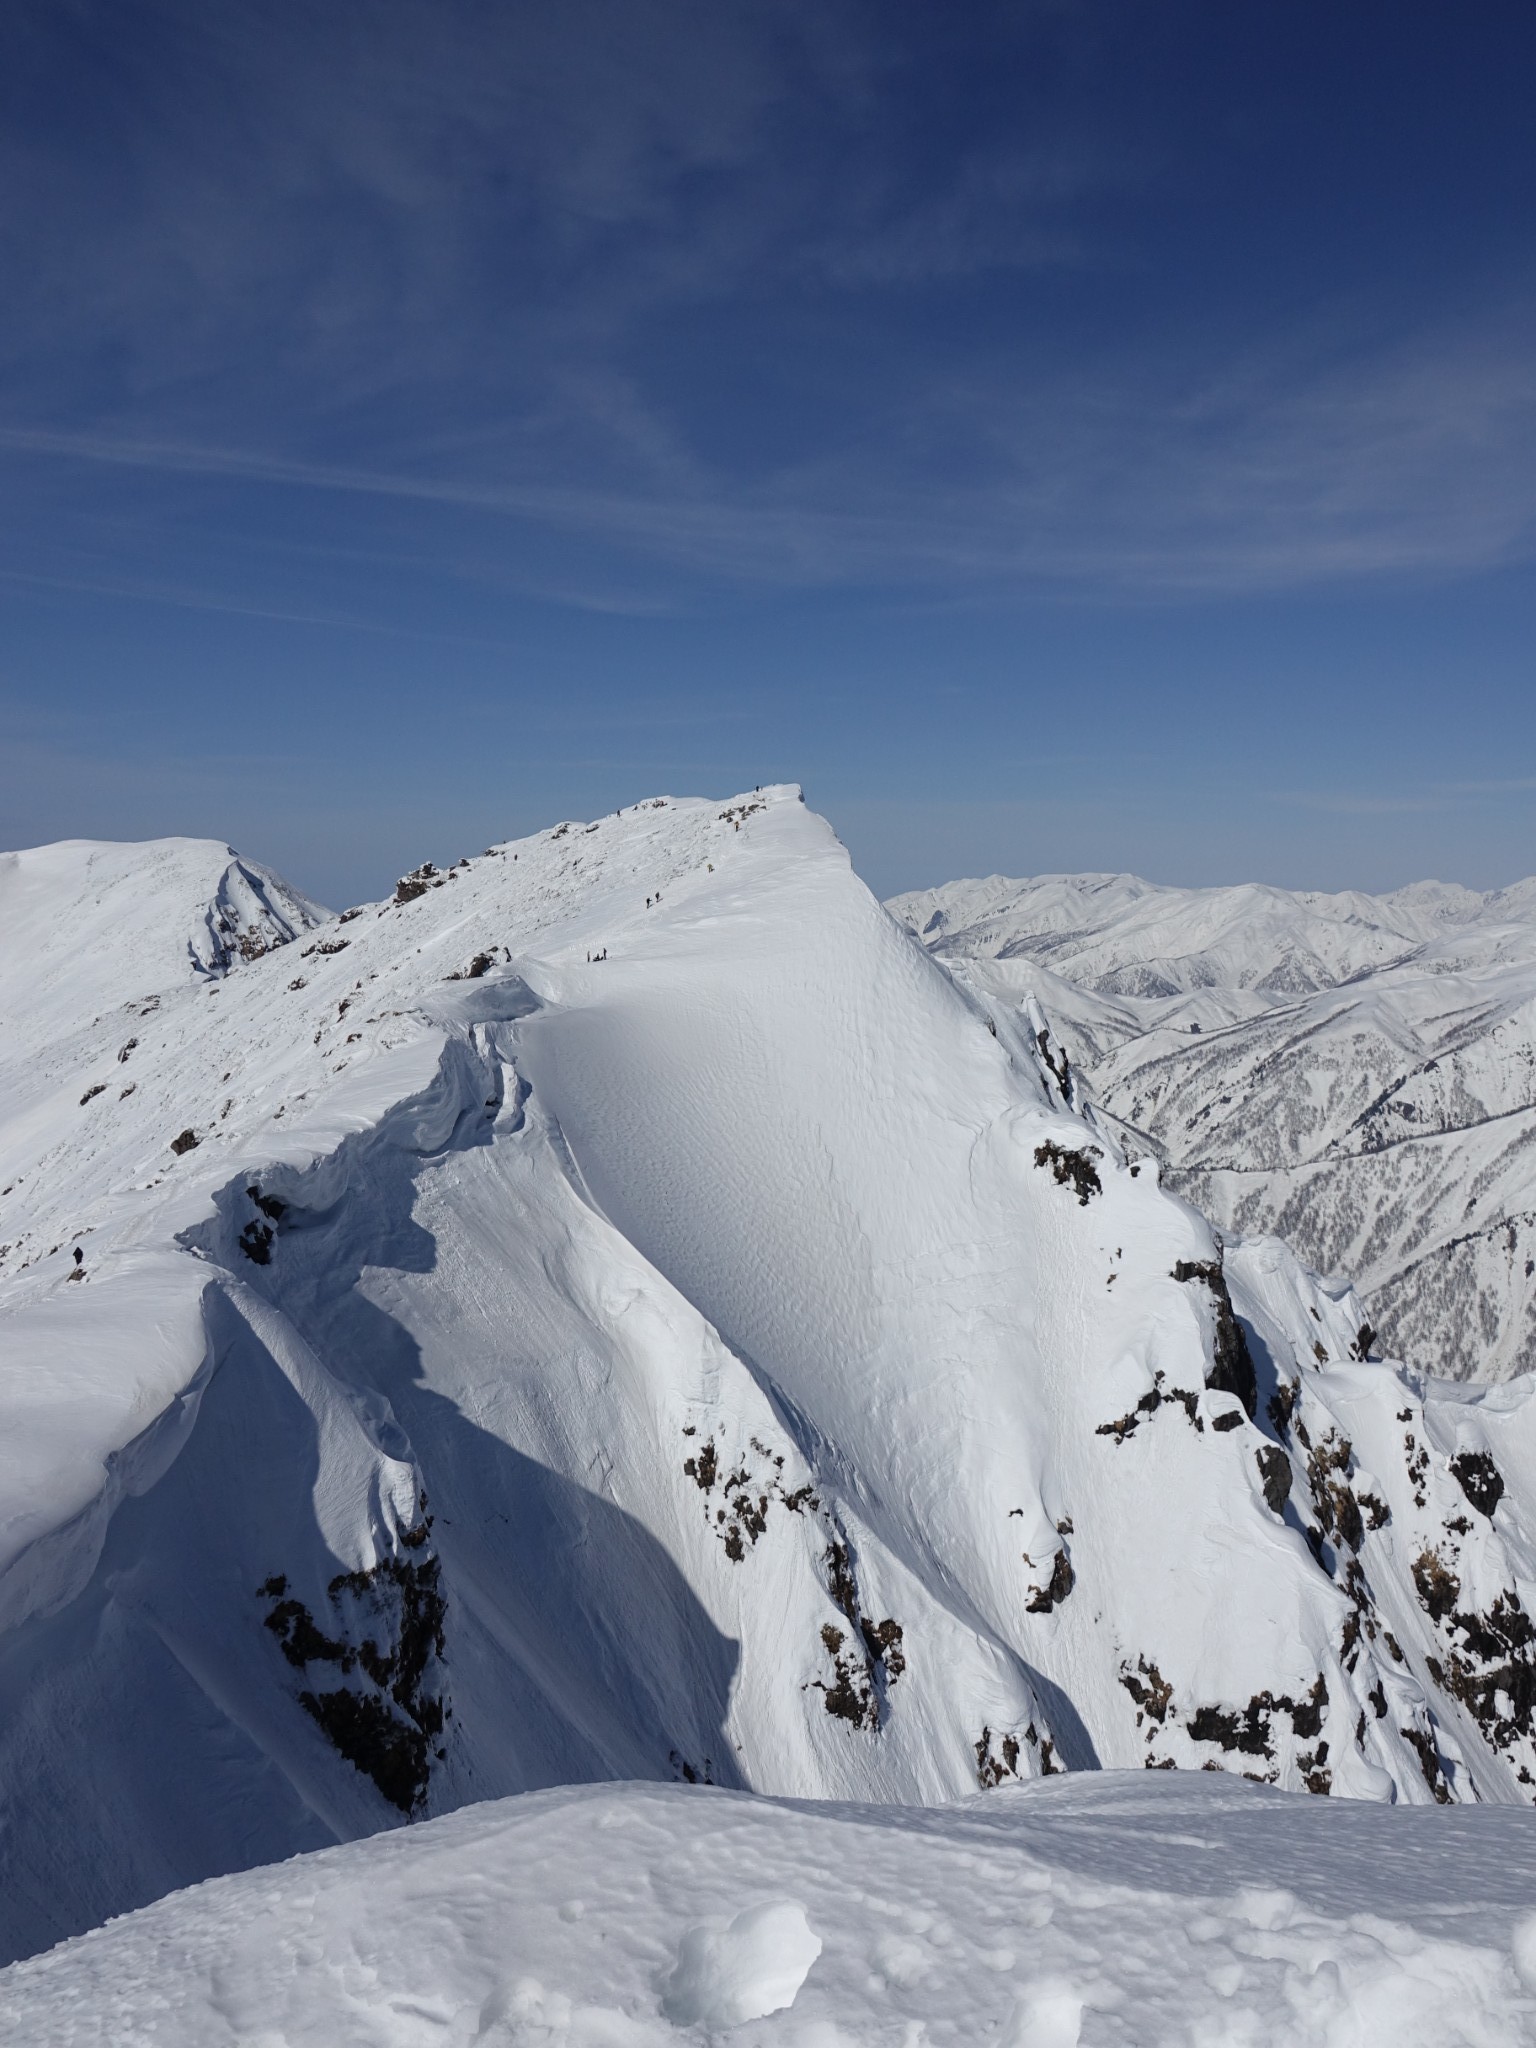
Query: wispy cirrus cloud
[1445,796]
[1278,472]
[775,297]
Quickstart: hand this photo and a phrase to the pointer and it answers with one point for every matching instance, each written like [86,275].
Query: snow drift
[620,1309]
[1127,1912]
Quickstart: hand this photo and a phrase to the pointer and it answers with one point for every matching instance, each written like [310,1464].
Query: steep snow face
[1354,1074]
[1139,1911]
[620,1309]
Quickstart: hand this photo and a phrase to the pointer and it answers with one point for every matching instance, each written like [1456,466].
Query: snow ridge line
[49,1572]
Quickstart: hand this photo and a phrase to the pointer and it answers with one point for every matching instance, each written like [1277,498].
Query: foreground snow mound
[1118,1910]
[619,1309]
[1356,1074]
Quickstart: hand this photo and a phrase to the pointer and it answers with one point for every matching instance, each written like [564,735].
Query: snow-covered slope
[87,918]
[1355,1074]
[621,1310]
[1127,1912]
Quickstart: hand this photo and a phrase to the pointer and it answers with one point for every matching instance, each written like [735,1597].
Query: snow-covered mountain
[1355,1074]
[85,918]
[620,1309]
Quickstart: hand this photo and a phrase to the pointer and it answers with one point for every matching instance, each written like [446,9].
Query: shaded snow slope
[1355,1074]
[1143,1911]
[621,1310]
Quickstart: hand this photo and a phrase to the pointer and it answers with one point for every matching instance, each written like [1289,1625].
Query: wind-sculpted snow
[619,1309]
[1354,1074]
[1119,1911]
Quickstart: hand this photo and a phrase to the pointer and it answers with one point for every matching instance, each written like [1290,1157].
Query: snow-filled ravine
[1138,1910]
[621,1310]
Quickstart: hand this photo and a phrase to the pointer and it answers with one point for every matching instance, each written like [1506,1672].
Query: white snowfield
[1142,1911]
[622,1310]
[1355,1074]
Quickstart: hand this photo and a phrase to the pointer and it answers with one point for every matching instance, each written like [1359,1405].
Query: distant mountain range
[1356,1074]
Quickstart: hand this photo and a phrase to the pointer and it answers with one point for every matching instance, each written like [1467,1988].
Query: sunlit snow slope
[621,1310]
[1356,1074]
[1126,1912]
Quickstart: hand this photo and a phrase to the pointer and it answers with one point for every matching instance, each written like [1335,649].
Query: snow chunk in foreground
[1123,1908]
[745,1970]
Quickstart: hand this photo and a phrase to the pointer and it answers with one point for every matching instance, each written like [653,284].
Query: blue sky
[1060,435]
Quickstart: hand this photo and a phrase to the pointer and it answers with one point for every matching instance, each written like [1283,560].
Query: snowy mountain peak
[89,913]
[621,1309]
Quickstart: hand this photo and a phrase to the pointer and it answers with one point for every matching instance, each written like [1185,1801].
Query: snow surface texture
[1355,1074]
[621,1310]
[1136,1911]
